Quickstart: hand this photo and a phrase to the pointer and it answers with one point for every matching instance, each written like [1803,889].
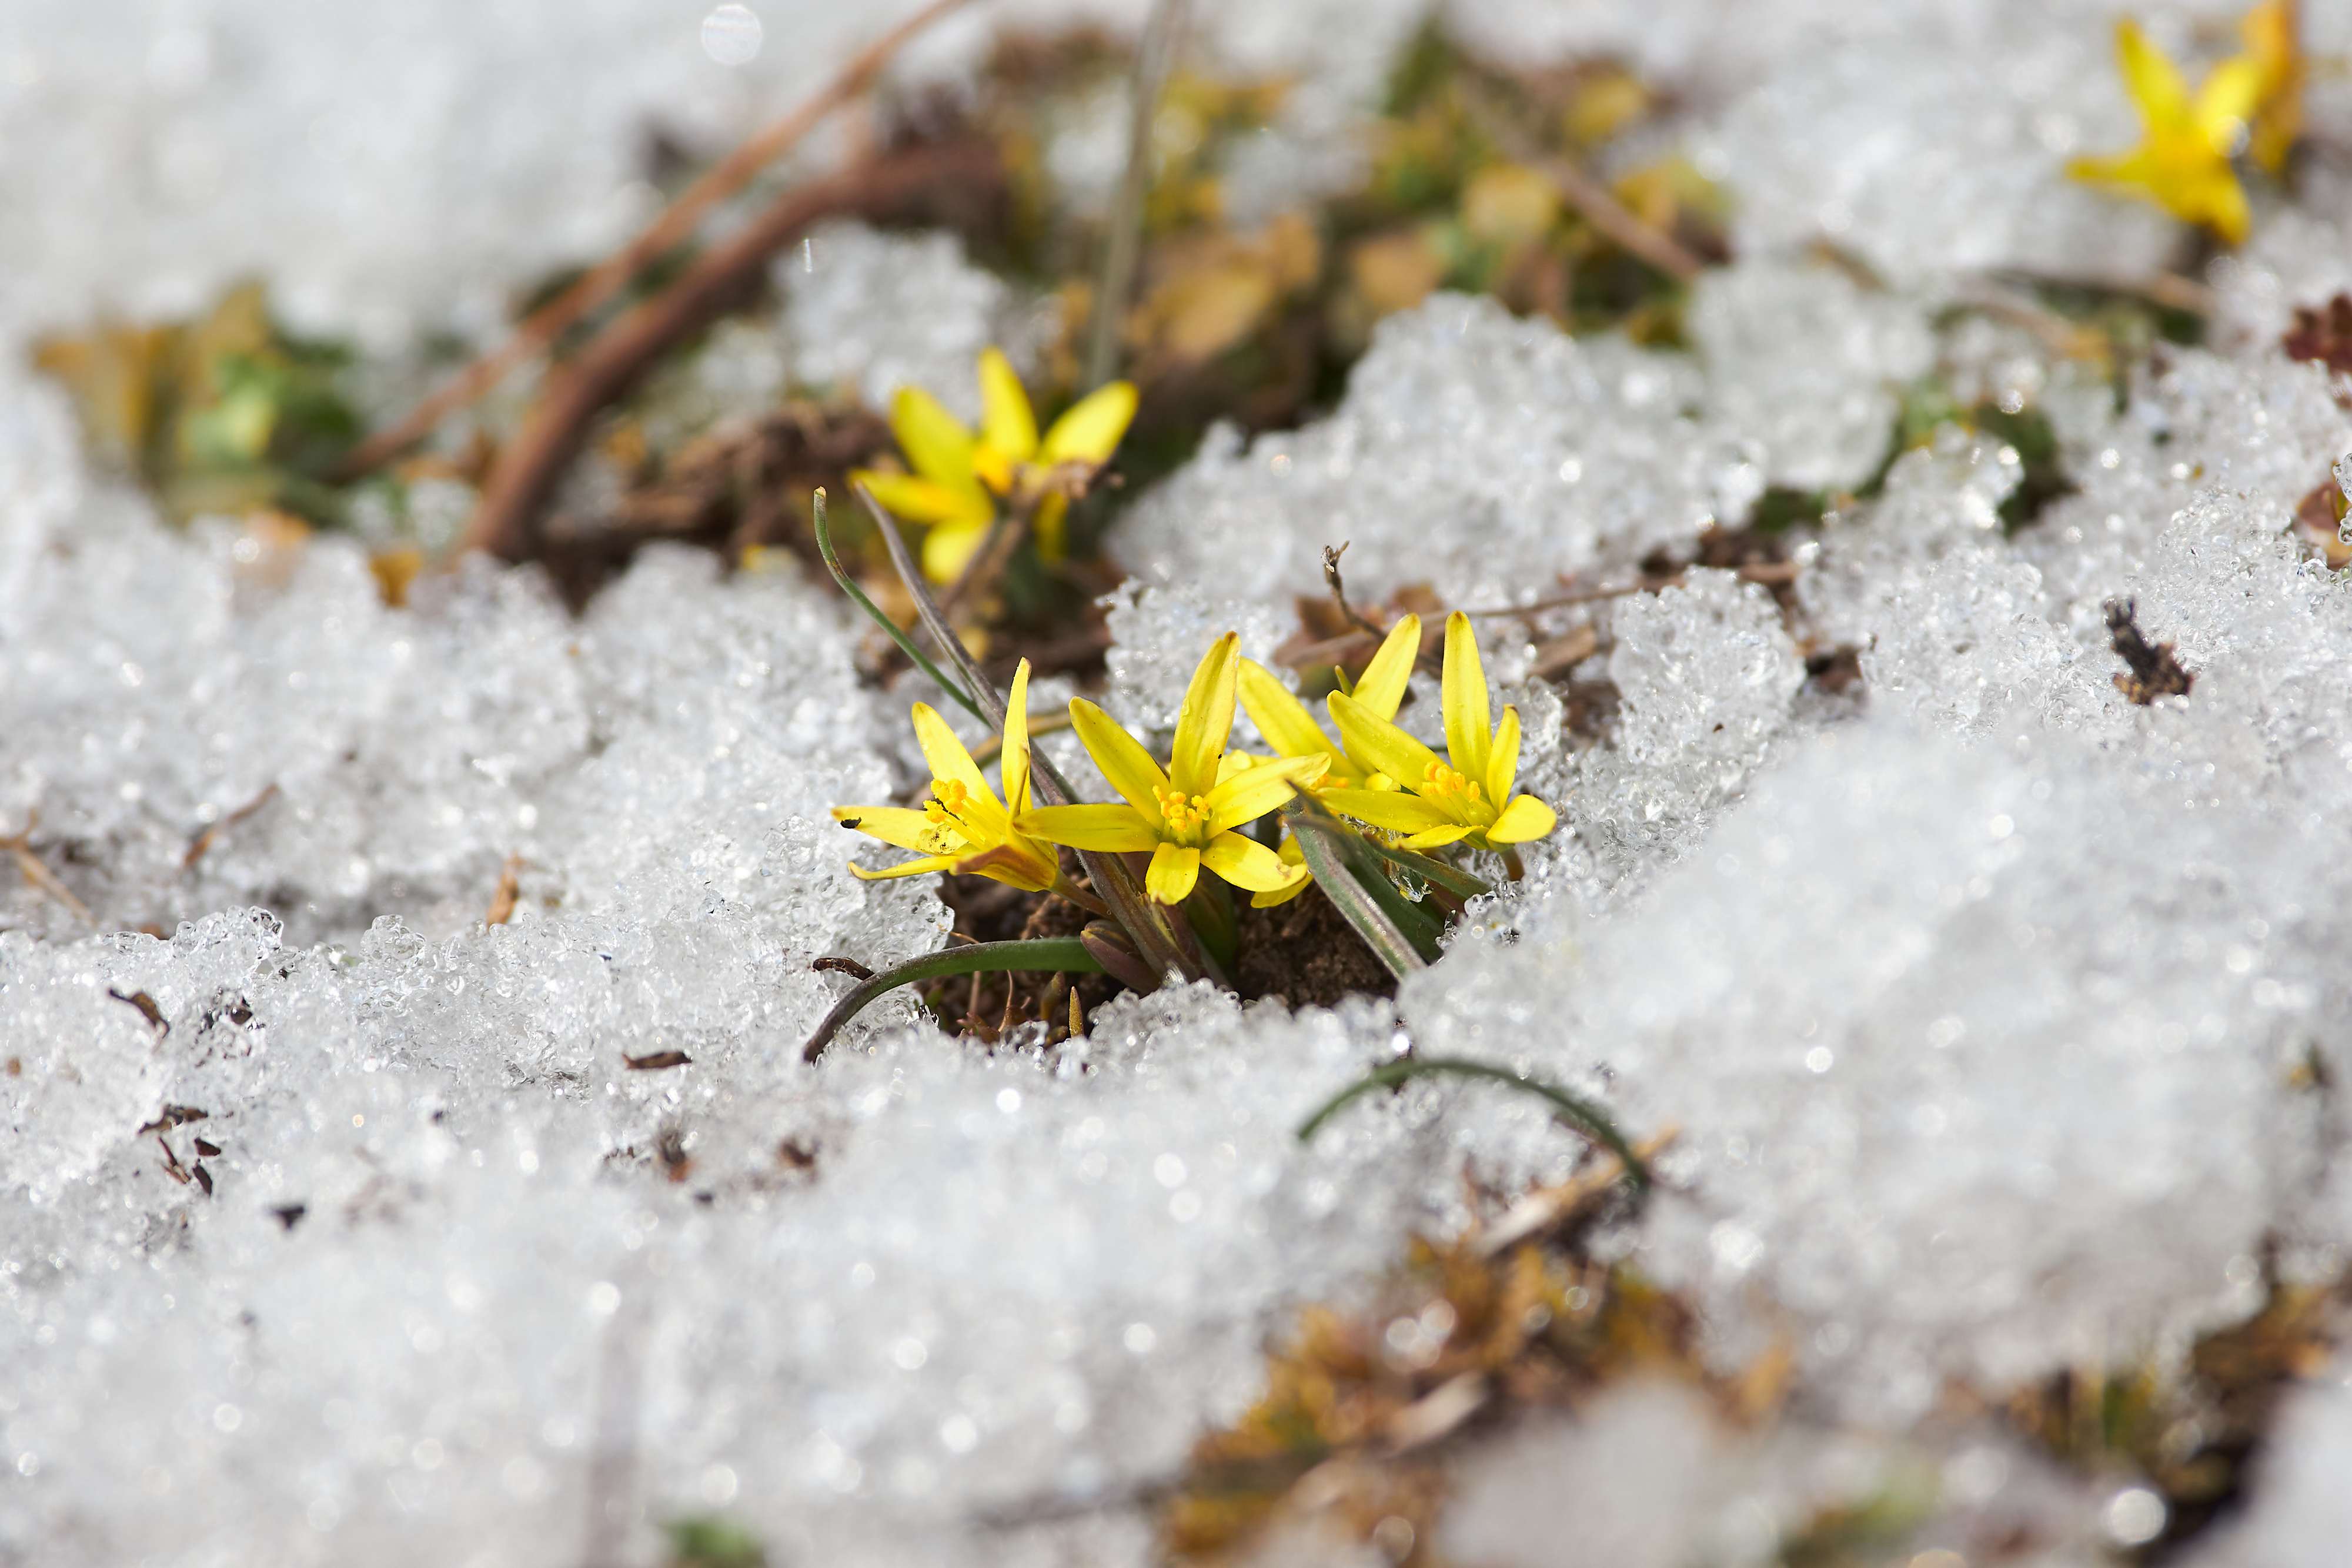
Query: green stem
[1154,943]
[1065,953]
[1588,1118]
[906,644]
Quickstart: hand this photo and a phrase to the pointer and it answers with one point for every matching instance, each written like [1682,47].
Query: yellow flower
[1186,815]
[1466,797]
[2269,31]
[958,476]
[2182,162]
[1292,731]
[964,827]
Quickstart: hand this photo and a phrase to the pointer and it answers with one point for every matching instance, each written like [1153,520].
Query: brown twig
[1767,572]
[35,870]
[665,233]
[534,459]
[2169,289]
[201,845]
[1593,201]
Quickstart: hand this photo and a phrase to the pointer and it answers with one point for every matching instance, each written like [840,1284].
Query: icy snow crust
[1977,994]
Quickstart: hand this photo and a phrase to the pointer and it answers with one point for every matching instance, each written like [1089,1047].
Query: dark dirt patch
[987,1005]
[2152,671]
[1306,954]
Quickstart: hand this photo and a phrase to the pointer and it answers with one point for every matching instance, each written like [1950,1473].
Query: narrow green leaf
[1356,905]
[1065,953]
[1434,872]
[1585,1117]
[1415,921]
[906,644]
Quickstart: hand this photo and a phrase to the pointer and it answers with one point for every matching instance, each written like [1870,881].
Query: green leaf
[1585,1117]
[1356,903]
[874,612]
[1068,954]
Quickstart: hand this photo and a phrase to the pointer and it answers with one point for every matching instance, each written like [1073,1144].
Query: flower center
[944,810]
[1443,784]
[1186,815]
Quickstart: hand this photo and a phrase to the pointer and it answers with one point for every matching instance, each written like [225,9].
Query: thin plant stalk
[1155,53]
[1069,955]
[1585,1117]
[874,612]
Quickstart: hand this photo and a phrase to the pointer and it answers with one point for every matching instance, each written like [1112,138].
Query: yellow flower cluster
[1187,815]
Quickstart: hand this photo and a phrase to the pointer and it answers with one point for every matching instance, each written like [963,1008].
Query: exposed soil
[1306,954]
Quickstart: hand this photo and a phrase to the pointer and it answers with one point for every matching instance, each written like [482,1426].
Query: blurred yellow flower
[2182,162]
[958,476]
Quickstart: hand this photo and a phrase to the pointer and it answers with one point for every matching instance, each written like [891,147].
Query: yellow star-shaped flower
[960,475]
[1463,798]
[1185,815]
[964,827]
[2182,162]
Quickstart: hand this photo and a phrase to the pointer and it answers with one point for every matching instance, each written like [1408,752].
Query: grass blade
[1069,954]
[906,644]
[1355,904]
[934,619]
[1585,1117]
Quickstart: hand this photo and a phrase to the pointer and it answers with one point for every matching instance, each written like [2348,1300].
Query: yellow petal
[949,548]
[1245,862]
[1113,830]
[2220,203]
[921,501]
[1017,863]
[1254,792]
[1014,768]
[1124,763]
[1007,425]
[2132,169]
[1092,428]
[934,440]
[2153,81]
[1391,809]
[1174,869]
[1468,712]
[1207,718]
[2226,102]
[912,868]
[895,825]
[1295,877]
[1502,757]
[1379,745]
[1437,838]
[946,756]
[1049,526]
[1282,718]
[1382,687]
[1524,819]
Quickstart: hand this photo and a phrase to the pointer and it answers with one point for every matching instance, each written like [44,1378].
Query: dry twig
[1592,199]
[36,871]
[665,234]
[534,459]
[1154,54]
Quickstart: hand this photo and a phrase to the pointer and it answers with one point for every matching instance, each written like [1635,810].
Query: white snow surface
[1977,994]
